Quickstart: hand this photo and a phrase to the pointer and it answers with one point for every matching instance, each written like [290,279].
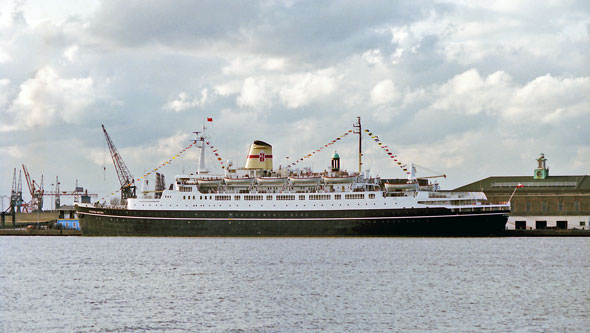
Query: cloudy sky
[467,88]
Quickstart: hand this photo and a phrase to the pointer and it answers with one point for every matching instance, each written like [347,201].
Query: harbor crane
[36,190]
[128,188]
[19,193]
[79,193]
[16,195]
[16,200]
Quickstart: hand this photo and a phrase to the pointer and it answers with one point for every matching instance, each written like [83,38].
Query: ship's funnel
[260,156]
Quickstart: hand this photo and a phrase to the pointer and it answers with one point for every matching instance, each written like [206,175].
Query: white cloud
[4,86]
[301,89]
[383,92]
[254,93]
[252,64]
[236,119]
[549,99]
[582,158]
[12,151]
[4,57]
[373,57]
[184,101]
[7,12]
[71,52]
[57,11]
[229,88]
[47,97]
[469,33]
[446,154]
[546,98]
[293,90]
[469,93]
[274,64]
[405,41]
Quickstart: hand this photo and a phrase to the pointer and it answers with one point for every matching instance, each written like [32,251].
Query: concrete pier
[40,232]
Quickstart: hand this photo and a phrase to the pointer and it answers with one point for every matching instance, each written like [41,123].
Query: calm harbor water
[70,284]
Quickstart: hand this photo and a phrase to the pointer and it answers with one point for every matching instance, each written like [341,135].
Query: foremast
[359,131]
[200,142]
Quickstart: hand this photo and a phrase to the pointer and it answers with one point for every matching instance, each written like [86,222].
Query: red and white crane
[128,189]
[36,190]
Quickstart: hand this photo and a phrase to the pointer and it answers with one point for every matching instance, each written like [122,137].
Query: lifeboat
[338,179]
[305,180]
[389,187]
[209,182]
[238,181]
[271,181]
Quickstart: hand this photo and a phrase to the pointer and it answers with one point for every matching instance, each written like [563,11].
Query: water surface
[85,284]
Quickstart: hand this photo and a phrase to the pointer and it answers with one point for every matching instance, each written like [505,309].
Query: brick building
[540,201]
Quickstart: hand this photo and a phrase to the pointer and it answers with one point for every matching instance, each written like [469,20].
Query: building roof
[551,184]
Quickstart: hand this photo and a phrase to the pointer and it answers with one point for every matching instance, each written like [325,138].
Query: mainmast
[201,138]
[360,133]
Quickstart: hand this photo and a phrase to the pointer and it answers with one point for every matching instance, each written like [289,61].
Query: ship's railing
[494,208]
[452,201]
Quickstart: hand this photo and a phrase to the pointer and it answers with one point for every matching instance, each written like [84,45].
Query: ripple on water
[294,284]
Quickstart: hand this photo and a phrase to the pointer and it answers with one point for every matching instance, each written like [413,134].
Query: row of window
[560,206]
[319,197]
[285,197]
[282,197]
[355,196]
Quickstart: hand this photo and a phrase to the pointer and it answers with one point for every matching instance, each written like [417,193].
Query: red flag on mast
[209,119]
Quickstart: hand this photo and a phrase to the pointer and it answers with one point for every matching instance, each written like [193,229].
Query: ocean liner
[258,201]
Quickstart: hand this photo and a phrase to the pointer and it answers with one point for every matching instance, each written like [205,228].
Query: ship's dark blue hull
[383,222]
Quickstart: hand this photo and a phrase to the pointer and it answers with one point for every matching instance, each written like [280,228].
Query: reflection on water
[294,284]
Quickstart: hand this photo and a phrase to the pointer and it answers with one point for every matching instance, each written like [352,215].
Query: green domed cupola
[542,171]
[335,162]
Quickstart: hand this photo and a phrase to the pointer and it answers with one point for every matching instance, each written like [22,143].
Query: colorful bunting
[216,153]
[320,149]
[386,149]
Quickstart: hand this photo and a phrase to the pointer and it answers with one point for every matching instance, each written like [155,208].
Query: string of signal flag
[320,149]
[375,138]
[216,153]
[387,151]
